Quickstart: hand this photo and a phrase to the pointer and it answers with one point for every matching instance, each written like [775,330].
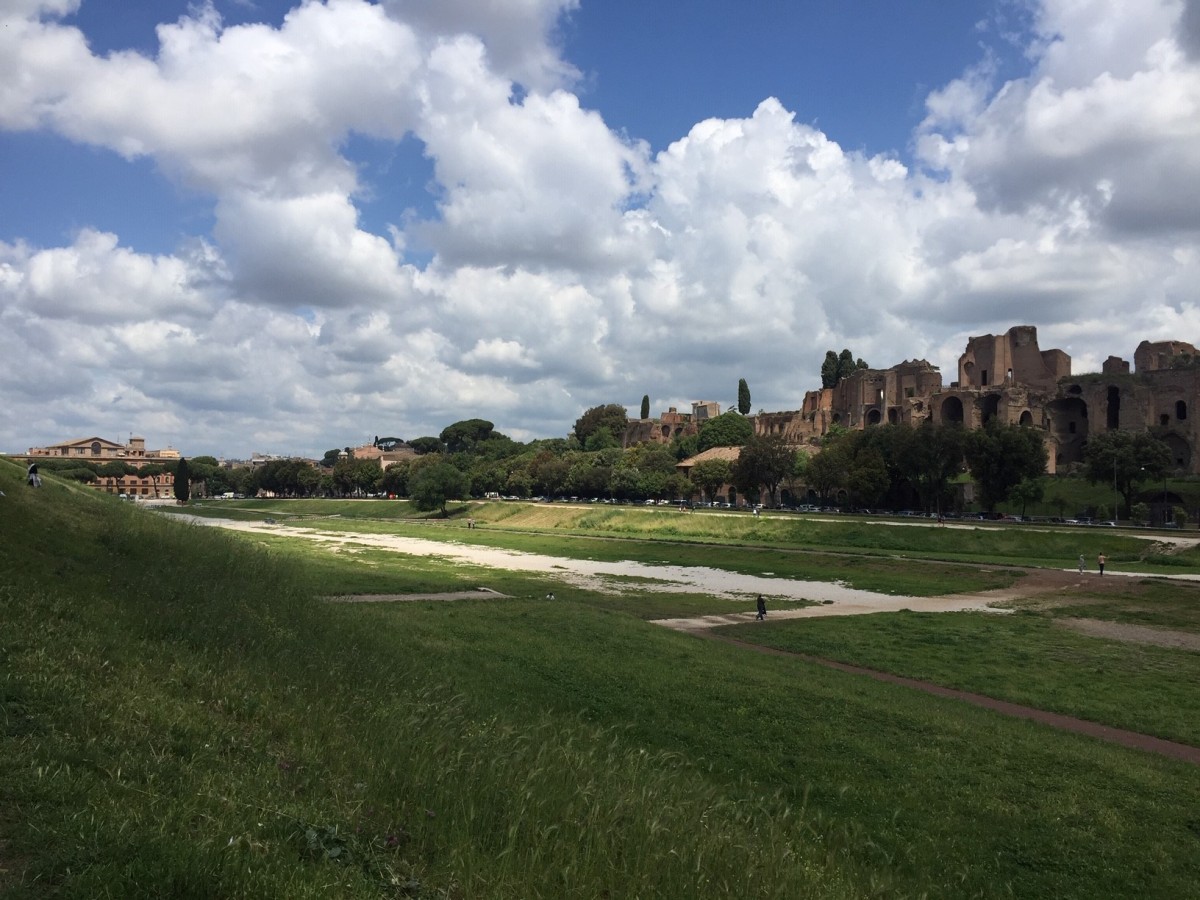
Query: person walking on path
[32,476]
[1101,560]
[1081,564]
[762,608]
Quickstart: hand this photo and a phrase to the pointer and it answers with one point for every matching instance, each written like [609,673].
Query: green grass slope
[182,718]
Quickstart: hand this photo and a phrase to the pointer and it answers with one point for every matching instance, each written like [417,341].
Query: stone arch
[873,417]
[989,407]
[95,448]
[1181,410]
[1026,419]
[952,411]
[1069,428]
[1113,420]
[1181,451]
[893,416]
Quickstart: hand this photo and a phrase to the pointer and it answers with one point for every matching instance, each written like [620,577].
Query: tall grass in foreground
[180,718]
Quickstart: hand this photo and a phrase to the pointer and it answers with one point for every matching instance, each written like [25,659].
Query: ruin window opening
[1180,410]
[983,377]
[1114,408]
[1164,420]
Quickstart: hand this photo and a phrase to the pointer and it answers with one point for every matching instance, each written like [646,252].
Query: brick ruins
[999,376]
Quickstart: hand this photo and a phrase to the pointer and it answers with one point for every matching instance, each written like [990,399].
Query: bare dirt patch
[476,594]
[1134,634]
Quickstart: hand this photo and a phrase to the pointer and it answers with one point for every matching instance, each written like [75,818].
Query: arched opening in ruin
[983,380]
[1114,409]
[1026,419]
[989,406]
[893,416]
[1181,410]
[1069,428]
[873,417]
[952,411]
[666,431]
[1181,451]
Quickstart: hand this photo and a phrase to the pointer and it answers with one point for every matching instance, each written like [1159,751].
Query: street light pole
[1116,493]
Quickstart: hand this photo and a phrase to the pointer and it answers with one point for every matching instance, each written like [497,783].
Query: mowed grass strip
[882,574]
[914,538]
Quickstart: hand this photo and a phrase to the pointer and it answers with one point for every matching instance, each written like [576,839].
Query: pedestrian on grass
[32,476]
[762,608]
[1101,560]
[1081,564]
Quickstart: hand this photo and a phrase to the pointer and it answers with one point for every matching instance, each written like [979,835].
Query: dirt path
[1133,739]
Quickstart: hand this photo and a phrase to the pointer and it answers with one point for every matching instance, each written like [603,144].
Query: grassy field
[184,716]
[1026,659]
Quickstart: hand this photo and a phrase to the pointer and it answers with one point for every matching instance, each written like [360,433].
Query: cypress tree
[645,406]
[182,483]
[743,397]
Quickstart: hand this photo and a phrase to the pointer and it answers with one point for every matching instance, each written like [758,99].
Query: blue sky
[239,227]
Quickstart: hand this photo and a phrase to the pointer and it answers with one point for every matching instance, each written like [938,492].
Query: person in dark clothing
[32,476]
[762,608]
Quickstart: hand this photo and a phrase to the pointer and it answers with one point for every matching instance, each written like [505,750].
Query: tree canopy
[435,485]
[463,436]
[1001,457]
[609,417]
[1125,459]
[838,366]
[645,406]
[423,445]
[709,474]
[726,430]
[765,461]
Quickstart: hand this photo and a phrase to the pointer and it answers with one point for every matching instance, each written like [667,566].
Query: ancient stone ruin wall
[662,430]
[1035,389]
[1012,357]
[1151,357]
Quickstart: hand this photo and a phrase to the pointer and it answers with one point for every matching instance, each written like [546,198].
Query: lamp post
[1116,493]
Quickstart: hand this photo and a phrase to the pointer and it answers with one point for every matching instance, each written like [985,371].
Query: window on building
[1180,410]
